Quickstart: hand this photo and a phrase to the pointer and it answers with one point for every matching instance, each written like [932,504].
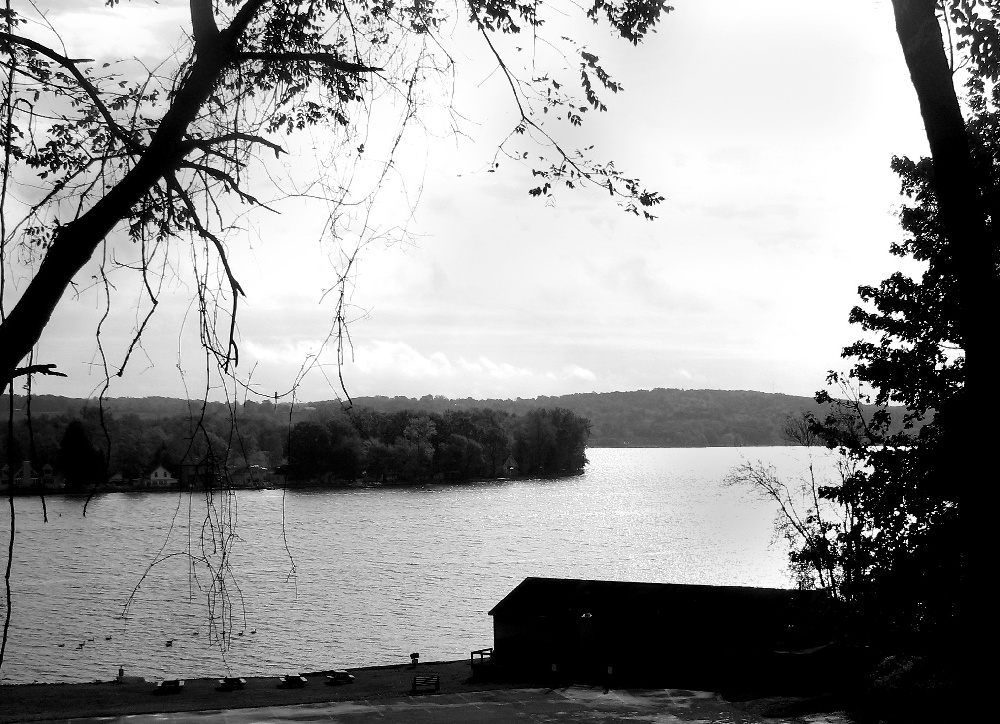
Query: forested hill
[650,418]
[644,418]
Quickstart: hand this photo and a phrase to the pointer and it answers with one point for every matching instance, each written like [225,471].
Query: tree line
[321,445]
[659,417]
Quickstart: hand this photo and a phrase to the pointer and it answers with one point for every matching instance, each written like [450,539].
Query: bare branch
[217,242]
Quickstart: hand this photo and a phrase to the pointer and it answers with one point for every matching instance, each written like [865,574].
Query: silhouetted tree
[80,463]
[308,450]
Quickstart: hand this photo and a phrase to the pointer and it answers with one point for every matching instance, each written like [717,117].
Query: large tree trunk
[972,251]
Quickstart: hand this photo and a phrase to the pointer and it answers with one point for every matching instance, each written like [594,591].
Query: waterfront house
[25,477]
[51,481]
[160,478]
[661,633]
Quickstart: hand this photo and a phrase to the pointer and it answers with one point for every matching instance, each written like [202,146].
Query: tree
[147,155]
[969,251]
[175,150]
[821,532]
[308,450]
[910,535]
[80,463]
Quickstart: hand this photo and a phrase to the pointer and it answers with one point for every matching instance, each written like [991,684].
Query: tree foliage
[178,150]
[907,547]
[325,444]
[114,164]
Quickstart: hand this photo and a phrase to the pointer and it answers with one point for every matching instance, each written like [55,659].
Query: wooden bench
[481,657]
[481,662]
[231,683]
[426,683]
[292,681]
[339,677]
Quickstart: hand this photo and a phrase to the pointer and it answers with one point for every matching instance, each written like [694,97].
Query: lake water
[342,578]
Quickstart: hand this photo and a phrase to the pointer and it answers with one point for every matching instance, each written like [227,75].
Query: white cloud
[402,360]
[488,368]
[579,373]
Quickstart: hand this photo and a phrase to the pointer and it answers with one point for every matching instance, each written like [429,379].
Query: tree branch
[328,59]
[225,178]
[86,85]
[217,242]
[205,143]
[47,369]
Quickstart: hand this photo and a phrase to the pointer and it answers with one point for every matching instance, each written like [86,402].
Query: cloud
[395,367]
[579,373]
[401,360]
[498,371]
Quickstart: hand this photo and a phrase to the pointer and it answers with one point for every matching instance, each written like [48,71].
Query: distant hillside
[644,418]
[649,418]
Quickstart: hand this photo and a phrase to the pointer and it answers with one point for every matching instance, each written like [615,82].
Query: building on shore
[27,479]
[159,478]
[660,633]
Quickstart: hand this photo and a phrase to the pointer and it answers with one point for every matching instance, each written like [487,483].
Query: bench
[169,686]
[231,683]
[481,662]
[339,677]
[426,683]
[292,681]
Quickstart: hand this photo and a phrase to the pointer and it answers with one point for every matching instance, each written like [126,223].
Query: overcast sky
[767,126]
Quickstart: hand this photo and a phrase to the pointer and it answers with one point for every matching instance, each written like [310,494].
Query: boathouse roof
[572,597]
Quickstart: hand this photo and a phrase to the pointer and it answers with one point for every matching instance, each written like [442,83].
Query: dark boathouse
[658,633]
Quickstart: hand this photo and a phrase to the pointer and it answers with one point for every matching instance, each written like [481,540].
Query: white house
[160,477]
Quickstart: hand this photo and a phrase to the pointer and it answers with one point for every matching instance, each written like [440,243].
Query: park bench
[426,683]
[169,686]
[292,681]
[481,662]
[230,683]
[339,677]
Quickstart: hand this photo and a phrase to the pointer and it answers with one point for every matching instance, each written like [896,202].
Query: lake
[336,578]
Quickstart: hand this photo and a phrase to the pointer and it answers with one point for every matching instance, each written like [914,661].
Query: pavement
[383,694]
[577,704]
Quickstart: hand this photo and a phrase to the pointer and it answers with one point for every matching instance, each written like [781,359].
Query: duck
[170,642]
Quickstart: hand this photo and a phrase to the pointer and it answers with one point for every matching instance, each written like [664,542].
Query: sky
[768,127]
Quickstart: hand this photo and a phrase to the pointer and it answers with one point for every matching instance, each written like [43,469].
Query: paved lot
[580,705]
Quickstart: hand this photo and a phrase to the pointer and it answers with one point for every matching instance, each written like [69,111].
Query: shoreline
[41,702]
[371,685]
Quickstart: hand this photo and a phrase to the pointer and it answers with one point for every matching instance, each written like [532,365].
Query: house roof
[571,597]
